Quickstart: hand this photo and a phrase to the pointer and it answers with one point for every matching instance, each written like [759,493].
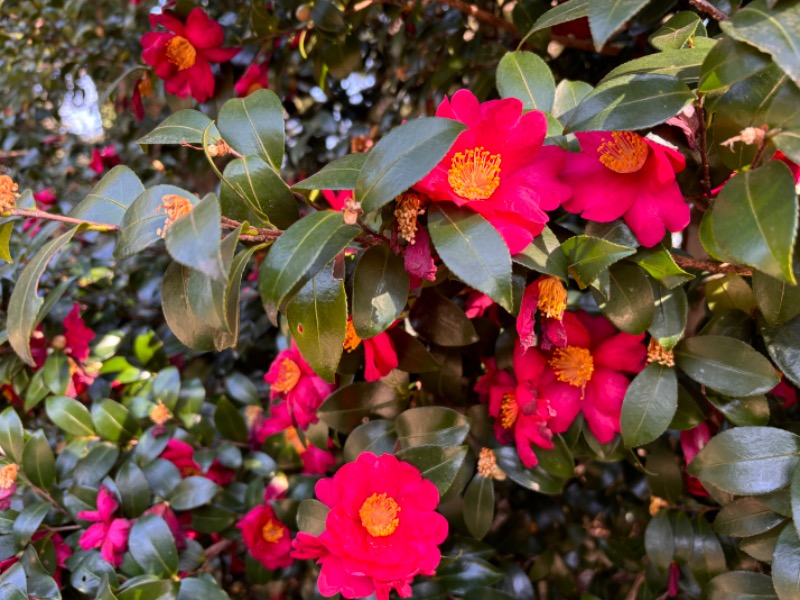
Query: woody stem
[39,214]
[710,266]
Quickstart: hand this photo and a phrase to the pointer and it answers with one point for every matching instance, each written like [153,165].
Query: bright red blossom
[548,296]
[254,79]
[380,356]
[267,539]
[588,374]
[381,532]
[498,167]
[108,533]
[182,58]
[181,455]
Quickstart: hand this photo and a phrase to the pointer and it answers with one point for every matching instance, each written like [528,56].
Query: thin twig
[481,15]
[708,8]
[40,214]
[43,494]
[710,266]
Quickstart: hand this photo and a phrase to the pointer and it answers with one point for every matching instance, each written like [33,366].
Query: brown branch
[40,214]
[702,138]
[710,266]
[481,15]
[706,7]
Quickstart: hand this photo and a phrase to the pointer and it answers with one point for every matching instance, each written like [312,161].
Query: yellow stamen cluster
[160,414]
[176,207]
[552,298]
[181,53]
[252,413]
[272,532]
[624,152]
[8,193]
[288,376]
[509,410]
[8,476]
[474,174]
[379,515]
[145,86]
[352,208]
[573,365]
[657,354]
[656,504]
[487,465]
[351,339]
[406,213]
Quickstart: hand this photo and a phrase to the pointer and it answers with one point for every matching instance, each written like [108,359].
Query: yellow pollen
[379,515]
[351,339]
[487,463]
[573,365]
[288,376]
[509,410]
[406,213]
[474,174]
[293,439]
[552,297]
[160,414]
[8,475]
[252,413]
[145,86]
[657,354]
[8,193]
[272,532]
[181,53]
[626,152]
[176,207]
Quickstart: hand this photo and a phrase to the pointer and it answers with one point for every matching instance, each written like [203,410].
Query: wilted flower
[548,296]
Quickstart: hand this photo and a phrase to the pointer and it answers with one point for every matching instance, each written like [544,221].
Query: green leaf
[525,76]
[318,322]
[606,17]
[212,519]
[298,254]
[38,462]
[630,305]
[741,585]
[55,373]
[677,32]
[312,516]
[6,229]
[441,321]
[28,521]
[437,464]
[544,255]
[788,142]
[254,125]
[681,64]
[91,469]
[671,314]
[40,584]
[479,506]
[110,198]
[748,460]
[134,489]
[193,240]
[588,257]
[25,302]
[376,436]
[755,219]
[12,440]
[772,31]
[347,406]
[649,405]
[403,157]
[786,565]
[154,547]
[568,95]
[435,425]
[473,250]
[183,126]
[380,290]
[783,345]
[777,300]
[341,174]
[113,421]
[412,355]
[193,588]
[536,479]
[264,192]
[658,262]
[70,415]
[557,461]
[688,414]
[192,493]
[659,540]
[229,421]
[730,292]
[794,495]
[730,62]
[563,13]
[726,365]
[148,589]
[743,411]
[144,220]
[745,517]
[708,559]
[634,101]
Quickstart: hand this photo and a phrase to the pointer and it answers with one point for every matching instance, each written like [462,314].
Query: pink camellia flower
[254,79]
[522,415]
[104,159]
[108,533]
[181,454]
[381,532]
[380,356]
[8,485]
[45,198]
[418,259]
[77,335]
[182,57]
[549,296]
[692,441]
[588,374]
[498,167]
[268,540]
[622,174]
[293,380]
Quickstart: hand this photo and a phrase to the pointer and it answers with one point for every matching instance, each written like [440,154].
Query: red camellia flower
[182,58]
[622,174]
[692,441]
[292,380]
[380,356]
[254,79]
[548,296]
[181,455]
[587,375]
[381,532]
[104,159]
[498,167]
[268,540]
[107,533]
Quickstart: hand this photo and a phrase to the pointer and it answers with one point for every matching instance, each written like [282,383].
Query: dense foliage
[421,299]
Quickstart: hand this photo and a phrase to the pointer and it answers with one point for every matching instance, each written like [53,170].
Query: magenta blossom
[254,79]
[108,533]
[548,296]
[588,375]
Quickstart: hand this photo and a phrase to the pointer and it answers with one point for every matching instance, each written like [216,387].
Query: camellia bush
[401,299]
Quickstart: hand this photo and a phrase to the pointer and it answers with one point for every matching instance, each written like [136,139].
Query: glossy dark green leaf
[526,77]
[440,321]
[435,425]
[25,302]
[708,559]
[347,406]
[12,440]
[70,415]
[725,365]
[38,462]
[762,546]
[113,421]
[777,300]
[134,490]
[479,506]
[341,174]
[380,290]
[658,262]
[193,240]
[93,467]
[182,126]
[544,255]
[212,519]
[311,517]
[28,521]
[783,345]
[786,564]
[741,585]
[649,405]
[412,355]
[111,197]
[677,31]
[630,305]
[730,62]
[563,13]
[377,436]
[318,322]
[606,17]
[40,583]
[254,125]
[788,142]
[437,464]
[192,493]
[403,157]
[299,254]
[229,421]
[473,250]
[745,517]
[755,219]
[154,547]
[748,460]
[13,583]
[671,314]
[730,292]
[557,461]
[148,589]
[659,541]
[688,414]
[536,479]
[635,101]
[193,588]
[743,411]
[684,65]
[55,373]
[251,180]
[588,257]
[568,95]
